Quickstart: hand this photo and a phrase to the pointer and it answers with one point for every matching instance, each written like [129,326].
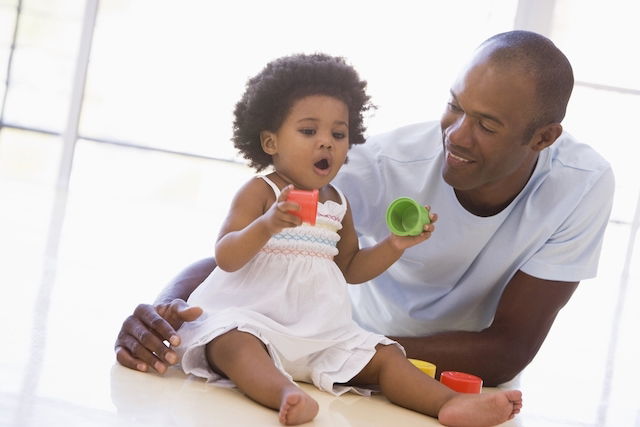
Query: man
[522,207]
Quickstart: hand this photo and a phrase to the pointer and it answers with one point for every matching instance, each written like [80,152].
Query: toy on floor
[426,367]
[461,382]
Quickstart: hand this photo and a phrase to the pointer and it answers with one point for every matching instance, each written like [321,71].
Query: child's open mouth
[322,166]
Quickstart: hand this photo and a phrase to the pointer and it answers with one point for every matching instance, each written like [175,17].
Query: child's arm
[253,218]
[360,265]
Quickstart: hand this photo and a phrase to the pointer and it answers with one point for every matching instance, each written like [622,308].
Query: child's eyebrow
[313,119]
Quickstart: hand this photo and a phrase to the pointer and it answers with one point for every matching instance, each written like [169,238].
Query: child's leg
[239,356]
[405,385]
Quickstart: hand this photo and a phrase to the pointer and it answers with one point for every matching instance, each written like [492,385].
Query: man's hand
[141,341]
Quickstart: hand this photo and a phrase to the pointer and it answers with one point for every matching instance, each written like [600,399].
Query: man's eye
[308,131]
[486,129]
[453,107]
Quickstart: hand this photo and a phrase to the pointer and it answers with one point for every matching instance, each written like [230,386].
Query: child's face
[312,143]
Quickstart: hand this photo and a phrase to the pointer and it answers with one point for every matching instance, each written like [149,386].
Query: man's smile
[456,159]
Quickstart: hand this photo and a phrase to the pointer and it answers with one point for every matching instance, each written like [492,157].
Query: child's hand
[404,242]
[279,216]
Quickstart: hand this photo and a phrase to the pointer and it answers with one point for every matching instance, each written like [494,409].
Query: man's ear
[268,142]
[546,136]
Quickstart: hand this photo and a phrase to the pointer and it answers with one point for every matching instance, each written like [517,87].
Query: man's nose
[460,131]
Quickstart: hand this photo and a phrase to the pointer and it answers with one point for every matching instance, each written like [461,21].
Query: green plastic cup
[406,217]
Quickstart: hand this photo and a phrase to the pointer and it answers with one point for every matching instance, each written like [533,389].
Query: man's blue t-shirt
[552,230]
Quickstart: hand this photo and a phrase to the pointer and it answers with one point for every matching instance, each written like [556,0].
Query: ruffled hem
[327,368]
[331,376]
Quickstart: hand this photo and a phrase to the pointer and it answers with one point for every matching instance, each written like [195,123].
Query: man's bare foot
[297,407]
[480,410]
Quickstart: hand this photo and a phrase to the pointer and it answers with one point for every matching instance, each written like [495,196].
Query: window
[42,61]
[170,79]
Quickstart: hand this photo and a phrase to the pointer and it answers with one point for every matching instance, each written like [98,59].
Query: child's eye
[308,131]
[338,135]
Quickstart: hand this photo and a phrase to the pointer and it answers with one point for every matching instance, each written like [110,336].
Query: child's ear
[268,142]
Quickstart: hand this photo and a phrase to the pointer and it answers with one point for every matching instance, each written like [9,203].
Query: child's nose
[326,141]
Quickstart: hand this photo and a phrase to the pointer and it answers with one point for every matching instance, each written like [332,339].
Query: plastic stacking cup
[426,367]
[461,382]
[406,217]
[308,201]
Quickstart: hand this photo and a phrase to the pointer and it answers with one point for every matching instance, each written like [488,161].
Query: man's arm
[140,343]
[186,281]
[524,316]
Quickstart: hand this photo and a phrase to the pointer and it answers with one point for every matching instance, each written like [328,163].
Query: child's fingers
[285,193]
[283,205]
[432,217]
[284,216]
[425,235]
[286,206]
[292,221]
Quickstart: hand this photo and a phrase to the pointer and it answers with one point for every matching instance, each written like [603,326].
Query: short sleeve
[572,252]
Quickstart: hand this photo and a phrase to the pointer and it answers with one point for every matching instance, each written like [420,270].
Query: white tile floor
[72,269]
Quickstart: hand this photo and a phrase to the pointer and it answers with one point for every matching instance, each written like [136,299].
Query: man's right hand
[141,341]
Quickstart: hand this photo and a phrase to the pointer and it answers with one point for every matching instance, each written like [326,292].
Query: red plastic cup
[461,382]
[308,201]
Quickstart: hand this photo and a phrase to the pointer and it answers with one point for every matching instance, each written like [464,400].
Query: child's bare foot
[480,410]
[297,407]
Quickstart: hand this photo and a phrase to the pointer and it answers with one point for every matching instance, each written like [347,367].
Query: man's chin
[457,182]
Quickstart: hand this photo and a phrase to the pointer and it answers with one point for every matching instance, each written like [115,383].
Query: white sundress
[293,297]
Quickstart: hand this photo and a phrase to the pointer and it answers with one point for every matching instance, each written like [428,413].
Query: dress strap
[343,201]
[273,186]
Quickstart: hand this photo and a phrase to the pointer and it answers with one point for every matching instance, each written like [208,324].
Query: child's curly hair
[270,95]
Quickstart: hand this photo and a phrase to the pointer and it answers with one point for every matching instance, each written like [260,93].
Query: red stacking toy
[461,382]
[308,201]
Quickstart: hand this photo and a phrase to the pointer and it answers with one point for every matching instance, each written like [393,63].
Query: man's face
[484,127]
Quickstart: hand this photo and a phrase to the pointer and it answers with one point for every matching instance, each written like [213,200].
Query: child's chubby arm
[253,218]
[360,265]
